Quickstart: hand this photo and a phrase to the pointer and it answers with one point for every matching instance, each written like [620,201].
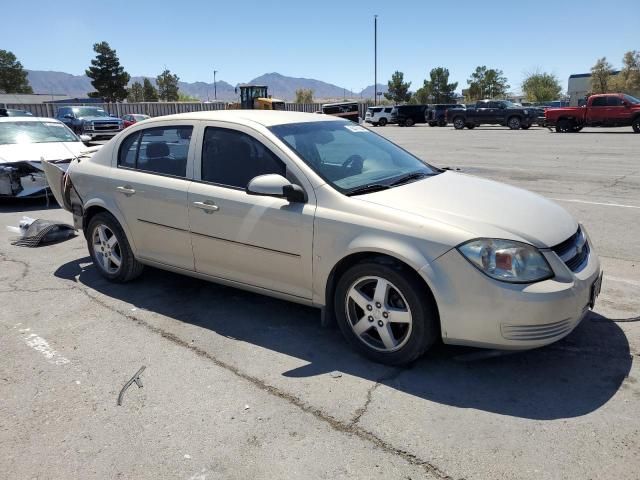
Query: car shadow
[28,204]
[570,378]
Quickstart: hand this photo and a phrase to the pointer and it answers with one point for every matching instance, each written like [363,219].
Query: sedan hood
[481,207]
[34,152]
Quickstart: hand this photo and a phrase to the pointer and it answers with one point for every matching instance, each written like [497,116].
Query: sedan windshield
[35,132]
[351,158]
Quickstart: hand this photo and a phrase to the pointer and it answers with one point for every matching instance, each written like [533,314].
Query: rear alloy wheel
[636,125]
[514,123]
[382,122]
[385,313]
[525,127]
[458,123]
[409,122]
[110,250]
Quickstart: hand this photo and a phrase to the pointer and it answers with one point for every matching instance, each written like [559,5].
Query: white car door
[255,240]
[151,184]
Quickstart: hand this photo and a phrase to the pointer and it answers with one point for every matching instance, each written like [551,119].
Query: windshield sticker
[355,128]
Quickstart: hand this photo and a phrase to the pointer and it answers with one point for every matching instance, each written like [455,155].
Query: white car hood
[34,152]
[481,207]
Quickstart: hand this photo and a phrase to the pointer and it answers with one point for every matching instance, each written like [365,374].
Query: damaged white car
[24,143]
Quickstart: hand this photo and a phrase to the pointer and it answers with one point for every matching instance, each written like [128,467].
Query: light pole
[375,59]
[215,92]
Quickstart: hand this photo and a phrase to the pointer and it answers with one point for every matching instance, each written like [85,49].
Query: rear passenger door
[597,113]
[617,113]
[150,186]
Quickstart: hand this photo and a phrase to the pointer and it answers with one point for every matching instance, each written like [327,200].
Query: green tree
[421,96]
[398,89]
[438,89]
[185,97]
[136,93]
[168,86]
[149,92]
[107,75]
[628,80]
[600,76]
[13,78]
[304,95]
[486,83]
[541,87]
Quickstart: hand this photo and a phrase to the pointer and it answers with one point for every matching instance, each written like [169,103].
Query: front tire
[458,123]
[525,127]
[409,122]
[563,126]
[514,123]
[382,122]
[636,125]
[110,249]
[385,312]
[433,124]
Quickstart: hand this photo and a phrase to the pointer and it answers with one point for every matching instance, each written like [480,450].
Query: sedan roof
[29,119]
[263,117]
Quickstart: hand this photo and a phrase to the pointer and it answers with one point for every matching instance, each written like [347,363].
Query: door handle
[208,206]
[127,190]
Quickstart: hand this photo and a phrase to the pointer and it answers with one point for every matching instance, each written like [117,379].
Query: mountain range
[280,86]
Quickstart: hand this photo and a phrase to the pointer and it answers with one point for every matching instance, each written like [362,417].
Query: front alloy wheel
[378,314]
[514,123]
[458,123]
[106,249]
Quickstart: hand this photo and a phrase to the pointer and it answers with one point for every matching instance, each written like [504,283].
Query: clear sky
[327,40]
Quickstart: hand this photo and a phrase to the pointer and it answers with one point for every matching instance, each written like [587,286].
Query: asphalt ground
[239,385]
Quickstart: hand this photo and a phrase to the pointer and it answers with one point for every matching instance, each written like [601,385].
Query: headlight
[506,260]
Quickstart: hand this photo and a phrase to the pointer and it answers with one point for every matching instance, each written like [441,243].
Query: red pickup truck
[608,110]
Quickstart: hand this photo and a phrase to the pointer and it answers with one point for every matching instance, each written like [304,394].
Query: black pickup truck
[492,112]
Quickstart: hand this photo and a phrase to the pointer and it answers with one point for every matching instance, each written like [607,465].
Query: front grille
[574,251]
[106,126]
[536,332]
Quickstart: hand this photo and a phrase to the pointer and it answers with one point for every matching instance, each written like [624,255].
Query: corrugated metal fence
[155,109]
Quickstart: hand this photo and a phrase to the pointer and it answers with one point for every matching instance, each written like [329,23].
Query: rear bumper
[478,311]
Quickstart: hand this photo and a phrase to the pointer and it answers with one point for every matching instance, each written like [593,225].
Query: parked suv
[408,115]
[378,116]
[437,114]
[92,121]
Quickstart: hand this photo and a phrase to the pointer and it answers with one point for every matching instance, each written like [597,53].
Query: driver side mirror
[274,185]
[625,104]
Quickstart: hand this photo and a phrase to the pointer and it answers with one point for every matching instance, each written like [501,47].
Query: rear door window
[160,150]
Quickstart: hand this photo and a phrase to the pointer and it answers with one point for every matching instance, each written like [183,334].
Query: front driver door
[259,241]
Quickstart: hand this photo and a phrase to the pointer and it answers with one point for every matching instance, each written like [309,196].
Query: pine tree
[13,78]
[168,86]
[438,89]
[107,75]
[398,89]
[136,93]
[149,92]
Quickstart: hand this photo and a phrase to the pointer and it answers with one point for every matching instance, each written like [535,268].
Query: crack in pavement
[337,425]
[612,184]
[362,410]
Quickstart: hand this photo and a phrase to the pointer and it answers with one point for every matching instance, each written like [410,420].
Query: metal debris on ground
[136,379]
[38,232]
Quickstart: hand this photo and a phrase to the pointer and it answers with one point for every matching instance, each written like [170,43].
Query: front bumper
[478,311]
[99,134]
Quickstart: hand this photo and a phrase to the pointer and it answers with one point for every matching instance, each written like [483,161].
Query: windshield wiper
[372,187]
[410,176]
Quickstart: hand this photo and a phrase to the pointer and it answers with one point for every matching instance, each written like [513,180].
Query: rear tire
[382,122]
[471,126]
[110,249]
[525,127]
[433,124]
[442,123]
[398,314]
[563,126]
[409,122]
[636,125]
[458,123]
[514,123]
